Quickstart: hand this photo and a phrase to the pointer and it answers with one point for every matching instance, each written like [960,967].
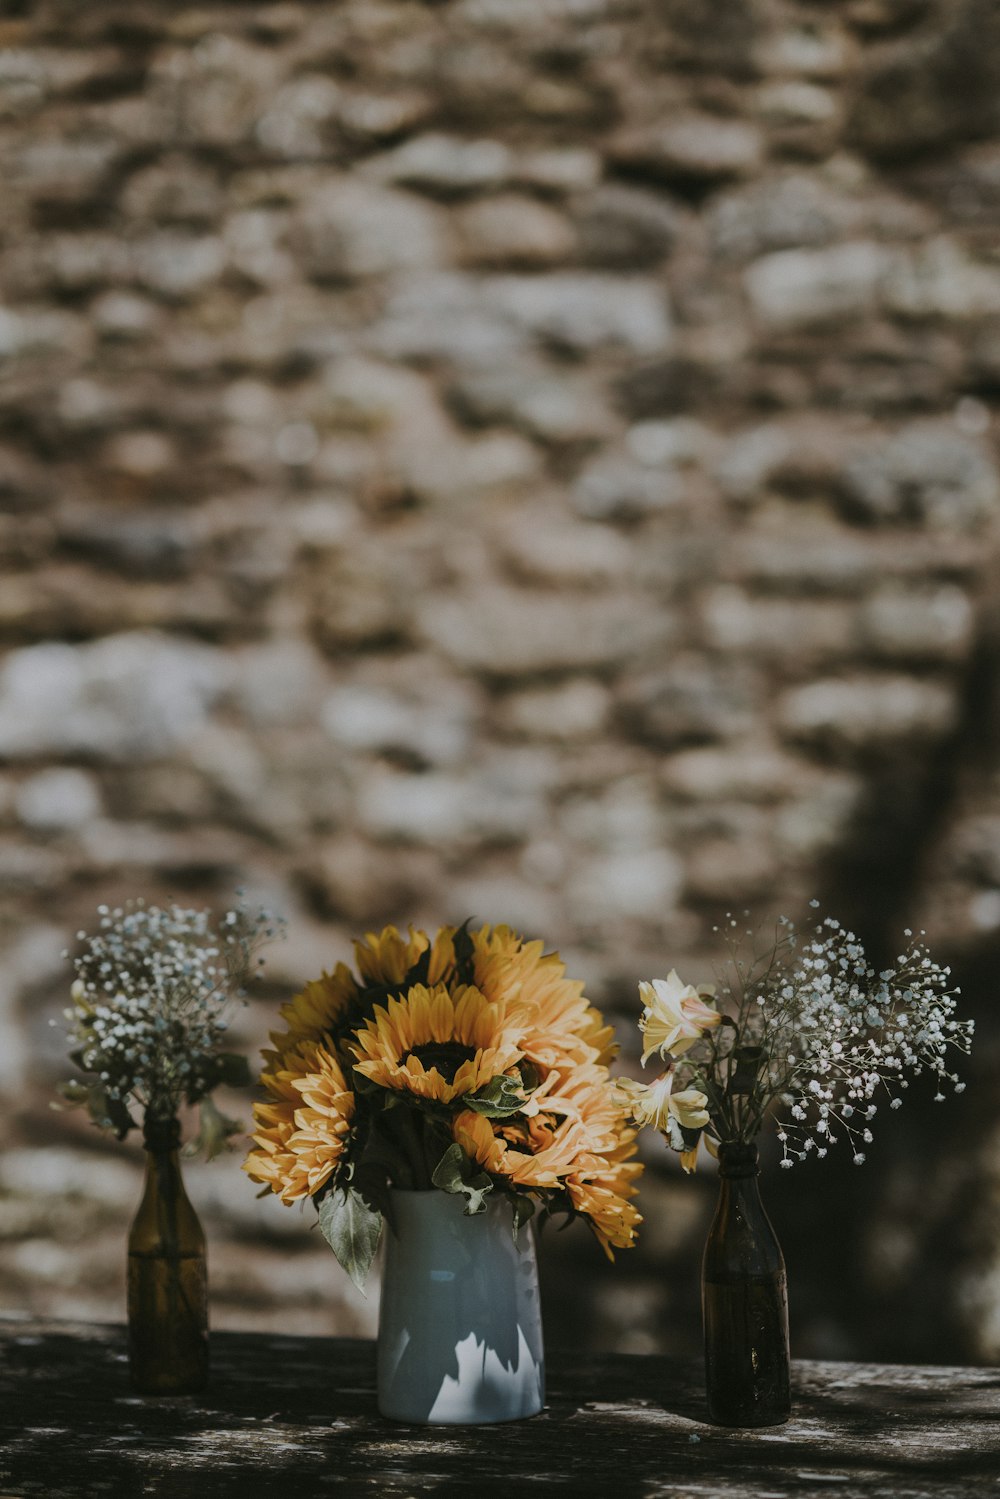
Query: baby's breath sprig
[152,1001]
[803,1029]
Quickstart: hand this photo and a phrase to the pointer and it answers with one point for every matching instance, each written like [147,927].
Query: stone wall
[529,458]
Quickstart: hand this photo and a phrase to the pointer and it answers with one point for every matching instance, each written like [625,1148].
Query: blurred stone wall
[527,458]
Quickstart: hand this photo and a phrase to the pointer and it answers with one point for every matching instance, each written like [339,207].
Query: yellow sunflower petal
[386,957]
[475,1135]
[303,1128]
[311,1014]
[387,1046]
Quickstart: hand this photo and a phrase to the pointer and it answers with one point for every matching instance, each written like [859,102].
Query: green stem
[405,1126]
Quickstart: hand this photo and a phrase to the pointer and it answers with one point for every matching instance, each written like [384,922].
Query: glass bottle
[167,1280]
[744,1302]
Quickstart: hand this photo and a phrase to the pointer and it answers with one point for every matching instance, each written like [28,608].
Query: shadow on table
[289,1415]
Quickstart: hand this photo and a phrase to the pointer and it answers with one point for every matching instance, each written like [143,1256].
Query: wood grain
[296,1416]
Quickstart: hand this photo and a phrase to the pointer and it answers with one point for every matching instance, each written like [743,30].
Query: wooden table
[285,1418]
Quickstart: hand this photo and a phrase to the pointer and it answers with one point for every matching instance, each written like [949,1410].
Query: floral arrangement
[806,1031]
[470,1064]
[151,1004]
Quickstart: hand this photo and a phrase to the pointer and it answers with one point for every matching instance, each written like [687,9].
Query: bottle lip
[738,1158]
[161,1134]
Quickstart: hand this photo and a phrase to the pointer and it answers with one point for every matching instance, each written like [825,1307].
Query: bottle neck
[162,1139]
[166,1224]
[738,1162]
[741,1243]
[161,1136]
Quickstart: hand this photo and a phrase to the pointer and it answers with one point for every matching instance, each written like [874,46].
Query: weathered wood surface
[290,1417]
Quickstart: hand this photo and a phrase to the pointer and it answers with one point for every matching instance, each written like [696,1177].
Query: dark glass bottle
[167,1280]
[744,1302]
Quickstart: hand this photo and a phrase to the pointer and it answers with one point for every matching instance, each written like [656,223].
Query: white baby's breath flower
[813,1029]
[150,1003]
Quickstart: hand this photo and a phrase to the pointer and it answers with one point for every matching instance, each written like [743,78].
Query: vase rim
[431,1200]
[429,1193]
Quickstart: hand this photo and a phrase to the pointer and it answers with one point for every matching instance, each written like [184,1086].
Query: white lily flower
[675,1015]
[656,1103]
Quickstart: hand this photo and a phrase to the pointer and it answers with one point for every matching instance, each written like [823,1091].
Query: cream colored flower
[656,1103]
[689,1108]
[675,1015]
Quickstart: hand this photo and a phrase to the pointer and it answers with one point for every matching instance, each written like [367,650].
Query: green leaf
[465,954]
[455,1173]
[531,1075]
[363,1084]
[524,1209]
[749,1060]
[352,1229]
[73,1092]
[371,1182]
[214,1129]
[501,1097]
[121,1119]
[229,1067]
[108,1113]
[420,972]
[675,1135]
[380,1100]
[234,1069]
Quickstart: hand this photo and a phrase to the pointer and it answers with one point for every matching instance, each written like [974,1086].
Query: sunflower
[601,1187]
[557,1023]
[581,1092]
[322,1003]
[303,1128]
[599,1036]
[475,1135]
[434,1044]
[386,957]
[572,1124]
[601,1192]
[552,1149]
[435,1022]
[579,1142]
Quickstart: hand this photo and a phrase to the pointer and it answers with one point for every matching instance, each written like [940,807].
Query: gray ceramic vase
[460,1326]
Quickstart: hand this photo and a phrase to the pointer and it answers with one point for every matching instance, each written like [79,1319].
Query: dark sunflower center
[446,1056]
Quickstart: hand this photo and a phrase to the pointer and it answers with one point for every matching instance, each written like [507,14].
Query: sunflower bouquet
[468,1064]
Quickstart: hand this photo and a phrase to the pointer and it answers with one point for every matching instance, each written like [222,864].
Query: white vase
[460,1326]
